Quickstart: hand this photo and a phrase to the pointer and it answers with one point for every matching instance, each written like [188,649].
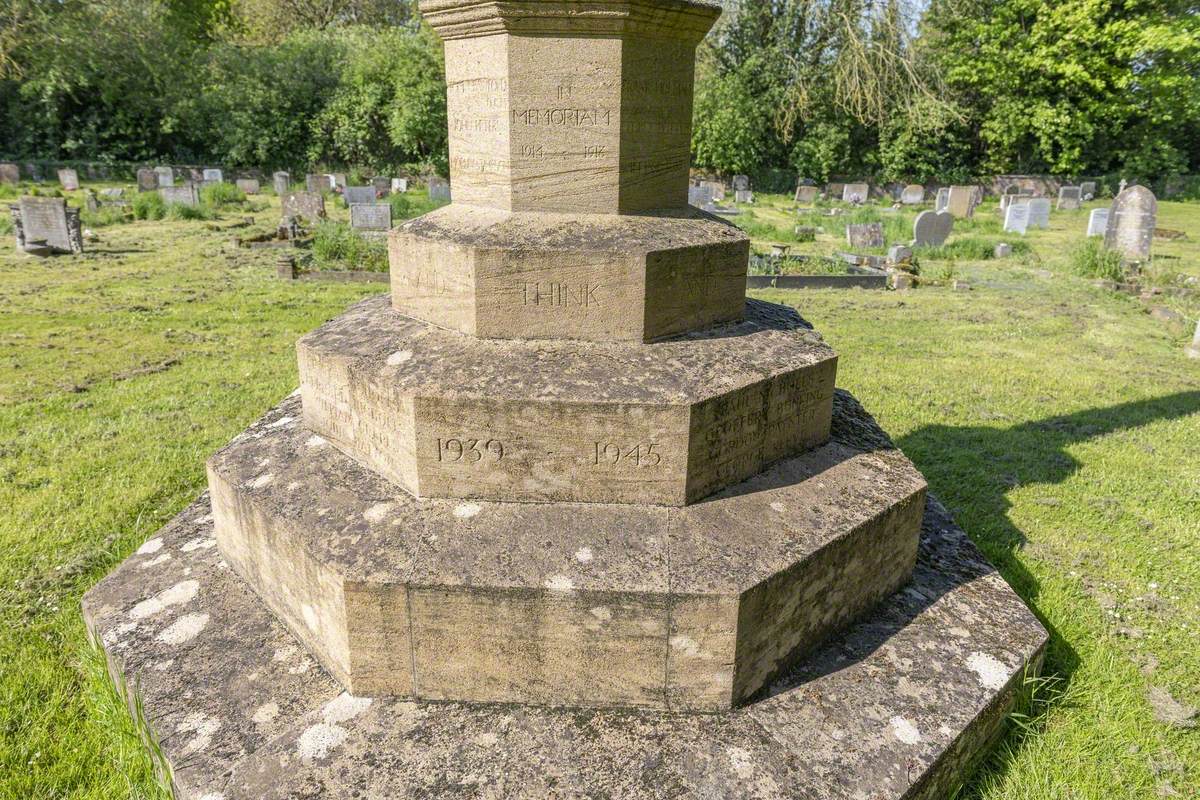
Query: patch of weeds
[222,194]
[972,248]
[6,226]
[336,246]
[180,211]
[149,205]
[1091,259]
[104,216]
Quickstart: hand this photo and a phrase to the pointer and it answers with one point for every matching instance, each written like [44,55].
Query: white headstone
[399,185]
[913,194]
[1016,218]
[943,199]
[166,176]
[69,179]
[855,193]
[1097,222]
[213,176]
[1039,212]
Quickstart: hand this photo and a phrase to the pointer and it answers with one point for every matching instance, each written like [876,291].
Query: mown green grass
[1057,420]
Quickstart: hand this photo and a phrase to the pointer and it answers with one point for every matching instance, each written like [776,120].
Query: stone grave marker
[806,195]
[166,176]
[212,175]
[1039,212]
[717,188]
[90,201]
[1132,218]
[1016,218]
[1002,250]
[147,180]
[865,234]
[960,201]
[834,191]
[855,193]
[912,195]
[1088,189]
[743,196]
[359,195]
[1193,350]
[399,185]
[495,482]
[1097,222]
[932,228]
[383,185]
[741,183]
[248,185]
[315,183]
[112,194]
[1069,198]
[371,216]
[942,200]
[281,182]
[10,173]
[187,194]
[337,180]
[439,188]
[68,179]
[46,225]
[306,206]
[699,196]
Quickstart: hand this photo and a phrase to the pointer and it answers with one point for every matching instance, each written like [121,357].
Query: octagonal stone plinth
[563,604]
[899,707]
[448,415]
[495,274]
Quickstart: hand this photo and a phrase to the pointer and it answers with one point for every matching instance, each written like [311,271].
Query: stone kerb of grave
[572,178]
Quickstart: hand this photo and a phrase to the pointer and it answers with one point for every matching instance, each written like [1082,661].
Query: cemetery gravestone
[166,176]
[212,176]
[247,185]
[1132,218]
[383,186]
[45,225]
[866,234]
[1069,198]
[960,201]
[913,194]
[358,195]
[112,194]
[932,228]
[1193,350]
[9,173]
[1016,218]
[1039,212]
[68,179]
[1002,250]
[316,183]
[439,189]
[337,180]
[1088,189]
[147,180]
[806,195]
[185,195]
[282,182]
[307,206]
[855,193]
[834,190]
[495,483]
[741,183]
[90,201]
[699,196]
[942,200]
[743,196]
[371,216]
[717,188]
[399,185]
[1097,222]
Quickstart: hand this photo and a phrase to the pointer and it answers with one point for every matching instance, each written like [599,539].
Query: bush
[1092,260]
[222,194]
[149,205]
[337,246]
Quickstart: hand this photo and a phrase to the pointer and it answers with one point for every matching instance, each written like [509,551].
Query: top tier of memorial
[570,107]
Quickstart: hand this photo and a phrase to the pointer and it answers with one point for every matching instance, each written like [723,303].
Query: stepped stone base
[899,706]
[565,604]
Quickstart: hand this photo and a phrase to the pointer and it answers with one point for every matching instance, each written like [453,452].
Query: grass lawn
[1059,421]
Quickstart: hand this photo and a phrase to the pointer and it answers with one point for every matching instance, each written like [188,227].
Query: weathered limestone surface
[597,277]
[899,706]
[668,423]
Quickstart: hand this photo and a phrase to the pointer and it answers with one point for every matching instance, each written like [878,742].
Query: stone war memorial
[567,514]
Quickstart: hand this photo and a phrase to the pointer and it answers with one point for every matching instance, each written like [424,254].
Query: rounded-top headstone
[1131,221]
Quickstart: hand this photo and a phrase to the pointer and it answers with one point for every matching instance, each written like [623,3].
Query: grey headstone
[913,194]
[248,185]
[371,216]
[1131,222]
[900,254]
[308,206]
[855,193]
[281,182]
[717,188]
[1002,250]
[741,182]
[9,172]
[1039,212]
[382,184]
[743,196]
[439,189]
[1069,198]
[806,195]
[69,179]
[942,200]
[960,201]
[185,195]
[112,194]
[699,196]
[866,234]
[47,225]
[90,201]
[166,176]
[358,195]
[1193,350]
[1089,189]
[399,185]
[147,180]
[932,228]
[316,182]
[1016,218]
[212,176]
[1097,222]
[337,179]
[834,190]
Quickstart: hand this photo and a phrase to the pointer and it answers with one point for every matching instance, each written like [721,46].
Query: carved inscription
[611,454]
[469,451]
[563,117]
[560,295]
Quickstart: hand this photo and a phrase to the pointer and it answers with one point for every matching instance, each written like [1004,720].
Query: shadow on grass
[972,468]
